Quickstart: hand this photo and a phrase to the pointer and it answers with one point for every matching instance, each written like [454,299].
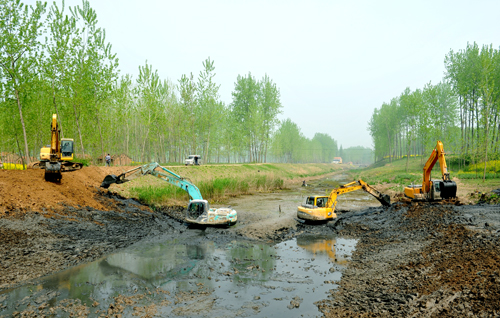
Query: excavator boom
[149,168]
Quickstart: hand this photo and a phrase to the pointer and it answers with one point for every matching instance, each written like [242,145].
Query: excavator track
[70,166]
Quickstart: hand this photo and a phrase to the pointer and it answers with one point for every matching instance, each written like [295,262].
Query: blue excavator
[198,210]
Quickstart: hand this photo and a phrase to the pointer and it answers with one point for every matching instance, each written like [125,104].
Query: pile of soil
[26,190]
[420,260]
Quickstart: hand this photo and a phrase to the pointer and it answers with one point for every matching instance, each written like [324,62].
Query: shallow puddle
[174,278]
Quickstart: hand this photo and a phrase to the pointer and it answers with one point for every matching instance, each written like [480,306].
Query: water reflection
[237,279]
[324,245]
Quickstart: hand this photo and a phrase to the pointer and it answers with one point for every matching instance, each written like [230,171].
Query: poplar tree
[20,29]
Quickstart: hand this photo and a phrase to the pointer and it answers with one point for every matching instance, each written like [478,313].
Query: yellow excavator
[322,208]
[58,156]
[432,190]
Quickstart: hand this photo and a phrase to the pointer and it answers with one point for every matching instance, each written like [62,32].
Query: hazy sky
[334,61]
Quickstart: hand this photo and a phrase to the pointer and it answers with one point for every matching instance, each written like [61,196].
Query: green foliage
[491,166]
[156,195]
[85,162]
[474,175]
[462,112]
[255,107]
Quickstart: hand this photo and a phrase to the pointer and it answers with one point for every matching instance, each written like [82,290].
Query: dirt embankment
[420,260]
[26,190]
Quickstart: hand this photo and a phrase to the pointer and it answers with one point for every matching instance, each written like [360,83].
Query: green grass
[393,172]
[479,175]
[217,183]
[155,195]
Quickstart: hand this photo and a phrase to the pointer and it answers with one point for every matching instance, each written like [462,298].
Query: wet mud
[118,258]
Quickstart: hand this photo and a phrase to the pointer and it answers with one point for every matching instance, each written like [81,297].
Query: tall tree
[270,106]
[20,29]
[210,107]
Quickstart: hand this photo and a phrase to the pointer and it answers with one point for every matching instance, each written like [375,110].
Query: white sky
[334,61]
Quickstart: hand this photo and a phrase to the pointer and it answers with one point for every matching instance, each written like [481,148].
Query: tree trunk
[27,154]
[79,130]
[208,145]
[100,135]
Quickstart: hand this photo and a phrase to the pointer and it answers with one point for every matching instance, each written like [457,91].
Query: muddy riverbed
[408,260]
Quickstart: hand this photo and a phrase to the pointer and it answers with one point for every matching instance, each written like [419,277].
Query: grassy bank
[218,182]
[396,175]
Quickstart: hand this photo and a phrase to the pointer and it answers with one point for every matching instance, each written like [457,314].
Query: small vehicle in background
[193,160]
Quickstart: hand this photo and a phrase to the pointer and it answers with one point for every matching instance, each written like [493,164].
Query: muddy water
[194,276]
[238,279]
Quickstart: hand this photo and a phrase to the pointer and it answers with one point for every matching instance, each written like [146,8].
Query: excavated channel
[240,278]
[212,272]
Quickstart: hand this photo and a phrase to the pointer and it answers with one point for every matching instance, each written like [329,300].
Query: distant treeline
[56,60]
[462,111]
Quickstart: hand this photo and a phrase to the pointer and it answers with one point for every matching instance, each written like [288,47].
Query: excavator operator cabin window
[310,200]
[67,148]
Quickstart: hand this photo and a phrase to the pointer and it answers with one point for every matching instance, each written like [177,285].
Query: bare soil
[412,259]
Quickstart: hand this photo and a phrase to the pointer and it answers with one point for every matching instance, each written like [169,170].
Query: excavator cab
[199,213]
[66,149]
[197,208]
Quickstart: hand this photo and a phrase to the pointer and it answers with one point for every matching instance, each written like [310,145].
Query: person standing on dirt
[108,160]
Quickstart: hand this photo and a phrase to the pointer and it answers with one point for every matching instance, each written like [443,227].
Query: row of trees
[462,111]
[55,61]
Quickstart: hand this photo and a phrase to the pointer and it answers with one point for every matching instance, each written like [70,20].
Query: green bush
[479,175]
[85,162]
[260,182]
[491,166]
[243,186]
[151,195]
[278,183]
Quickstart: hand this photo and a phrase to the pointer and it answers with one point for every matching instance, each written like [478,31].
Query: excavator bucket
[385,199]
[111,178]
[448,189]
[53,171]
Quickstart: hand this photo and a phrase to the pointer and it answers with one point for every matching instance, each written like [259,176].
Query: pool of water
[176,278]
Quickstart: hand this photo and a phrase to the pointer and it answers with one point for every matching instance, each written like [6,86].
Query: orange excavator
[432,190]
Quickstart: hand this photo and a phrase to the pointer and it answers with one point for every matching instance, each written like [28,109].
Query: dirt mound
[420,260]
[27,190]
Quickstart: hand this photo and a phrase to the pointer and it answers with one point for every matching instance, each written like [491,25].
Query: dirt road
[411,260]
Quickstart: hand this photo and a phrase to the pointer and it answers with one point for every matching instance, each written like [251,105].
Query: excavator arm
[437,154]
[357,185]
[348,187]
[169,176]
[54,139]
[53,165]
